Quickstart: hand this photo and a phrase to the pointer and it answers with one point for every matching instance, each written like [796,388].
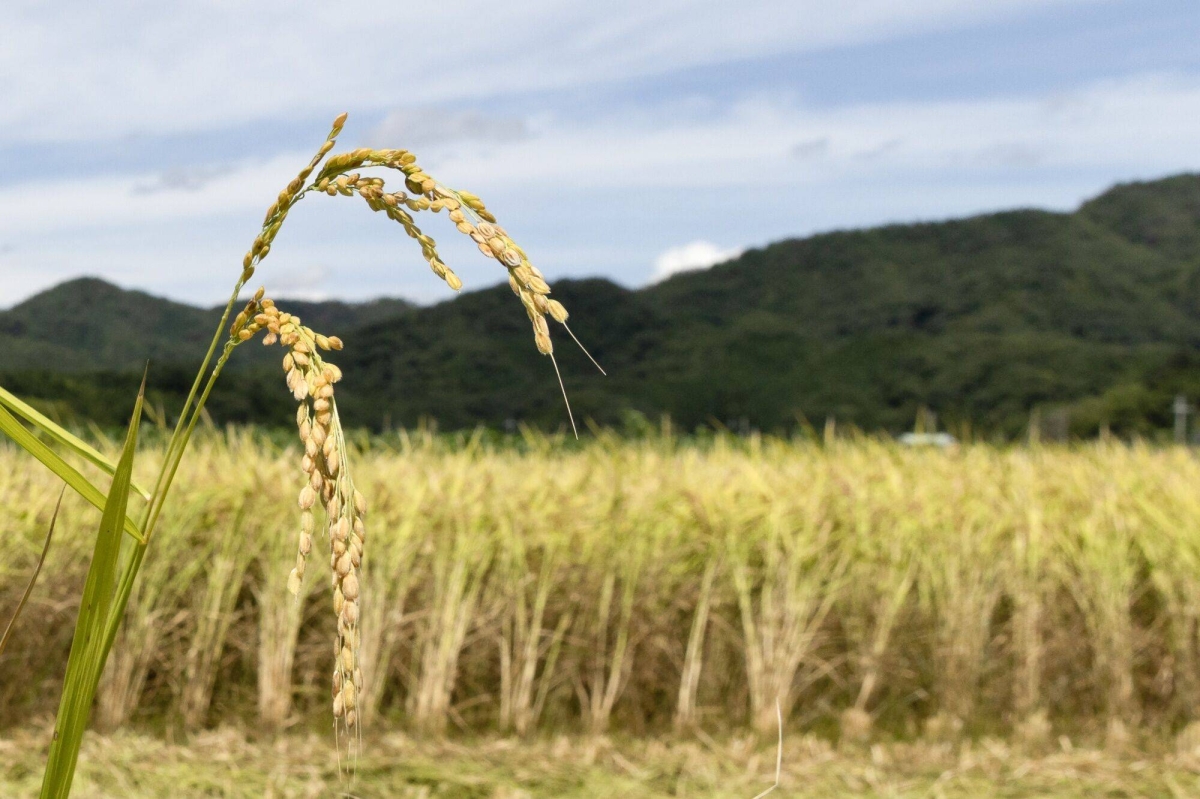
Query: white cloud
[81,70]
[607,196]
[1142,126]
[690,257]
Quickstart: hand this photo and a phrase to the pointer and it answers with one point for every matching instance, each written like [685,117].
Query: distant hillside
[1094,313]
[88,324]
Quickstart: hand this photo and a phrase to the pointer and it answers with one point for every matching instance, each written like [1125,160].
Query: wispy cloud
[126,67]
[188,179]
[421,127]
[1142,125]
[603,135]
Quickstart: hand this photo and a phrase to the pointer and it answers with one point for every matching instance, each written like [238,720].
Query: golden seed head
[350,586]
[308,497]
[557,311]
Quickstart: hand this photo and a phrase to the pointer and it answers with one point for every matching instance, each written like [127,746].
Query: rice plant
[964,593]
[118,610]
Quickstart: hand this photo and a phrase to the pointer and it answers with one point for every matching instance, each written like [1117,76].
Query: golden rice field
[1043,597]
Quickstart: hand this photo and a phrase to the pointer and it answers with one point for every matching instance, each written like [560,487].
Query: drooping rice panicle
[327,482]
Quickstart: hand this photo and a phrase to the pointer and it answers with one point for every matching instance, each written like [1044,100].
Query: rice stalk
[390,575]
[228,554]
[153,614]
[786,585]
[529,645]
[1101,575]
[458,570]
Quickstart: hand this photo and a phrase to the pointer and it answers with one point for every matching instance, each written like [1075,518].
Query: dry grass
[226,763]
[877,593]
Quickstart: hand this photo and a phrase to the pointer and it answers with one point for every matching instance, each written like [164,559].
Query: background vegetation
[645,587]
[1092,317]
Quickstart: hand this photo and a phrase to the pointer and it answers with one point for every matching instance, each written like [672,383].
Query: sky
[142,142]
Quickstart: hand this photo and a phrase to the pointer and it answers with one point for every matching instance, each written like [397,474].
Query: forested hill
[1093,314]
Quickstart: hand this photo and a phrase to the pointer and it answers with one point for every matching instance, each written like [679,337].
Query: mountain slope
[88,324]
[981,319]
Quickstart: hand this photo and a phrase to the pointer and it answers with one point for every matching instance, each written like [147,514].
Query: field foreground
[224,763]
[643,590]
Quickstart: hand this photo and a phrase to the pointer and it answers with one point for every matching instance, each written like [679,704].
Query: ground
[226,763]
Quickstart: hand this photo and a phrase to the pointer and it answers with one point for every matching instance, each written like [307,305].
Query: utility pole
[1182,409]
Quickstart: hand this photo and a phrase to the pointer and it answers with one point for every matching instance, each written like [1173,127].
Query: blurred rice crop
[639,586]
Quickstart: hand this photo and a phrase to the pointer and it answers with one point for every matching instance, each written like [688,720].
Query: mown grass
[225,763]
[879,593]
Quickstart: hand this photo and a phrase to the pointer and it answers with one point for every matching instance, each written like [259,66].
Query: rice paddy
[877,593]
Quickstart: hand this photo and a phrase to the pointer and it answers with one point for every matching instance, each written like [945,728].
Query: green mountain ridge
[1093,315]
[88,324]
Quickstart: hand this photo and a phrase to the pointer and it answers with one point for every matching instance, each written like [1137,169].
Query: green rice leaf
[10,426]
[59,434]
[89,645]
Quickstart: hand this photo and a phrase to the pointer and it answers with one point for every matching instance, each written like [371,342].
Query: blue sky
[143,141]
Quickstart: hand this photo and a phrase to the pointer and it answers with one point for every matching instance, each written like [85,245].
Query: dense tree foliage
[1091,316]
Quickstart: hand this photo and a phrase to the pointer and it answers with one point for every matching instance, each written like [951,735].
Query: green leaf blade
[61,435]
[89,646]
[10,426]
